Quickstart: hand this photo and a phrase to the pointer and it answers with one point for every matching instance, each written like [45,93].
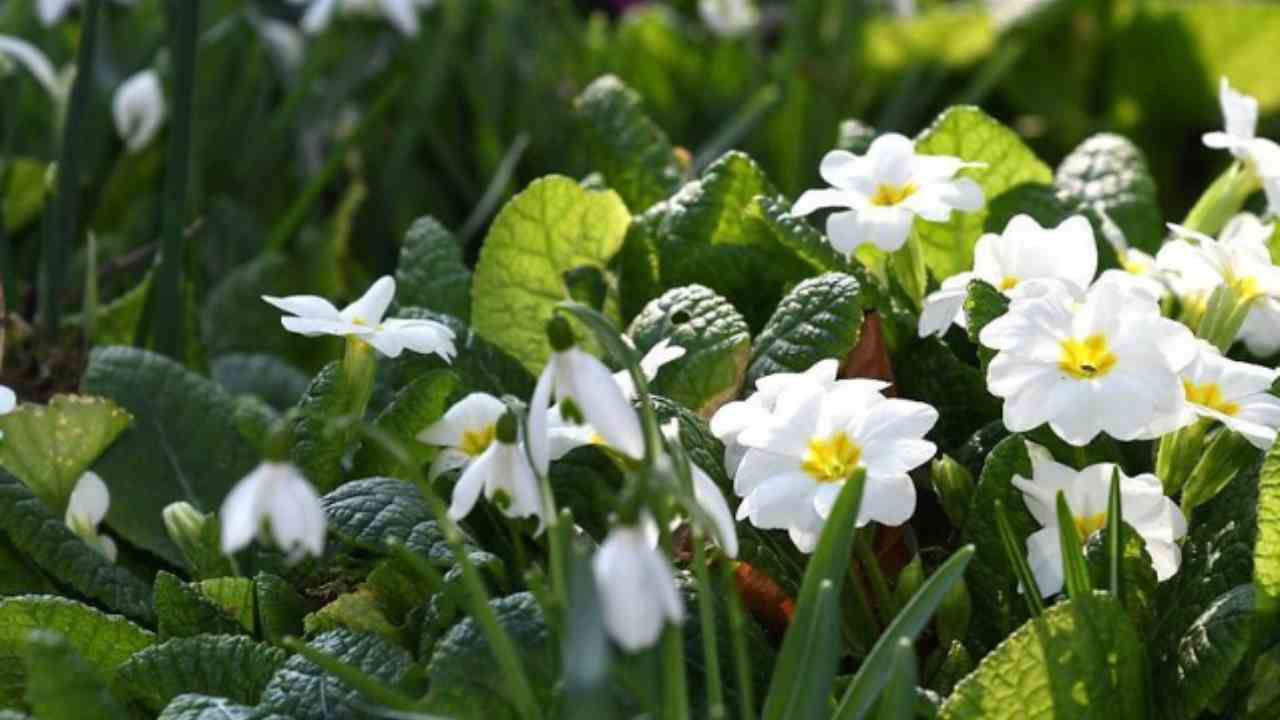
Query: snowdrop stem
[707,616]
[737,637]
[907,264]
[875,576]
[1176,455]
[1223,199]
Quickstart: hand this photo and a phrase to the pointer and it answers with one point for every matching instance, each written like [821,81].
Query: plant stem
[737,636]
[871,566]
[1223,199]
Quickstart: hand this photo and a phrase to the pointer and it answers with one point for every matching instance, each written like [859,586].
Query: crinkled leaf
[235,595]
[811,247]
[479,364]
[431,273]
[971,135]
[982,305]
[928,371]
[821,318]
[1108,173]
[358,611]
[184,611]
[232,667]
[715,339]
[1207,656]
[280,607]
[1077,660]
[184,444]
[193,706]
[416,406]
[1038,200]
[372,512]
[46,540]
[318,448]
[301,689]
[551,228]
[1266,554]
[636,264]
[625,145]
[18,574]
[61,685]
[49,446]
[268,377]
[1137,575]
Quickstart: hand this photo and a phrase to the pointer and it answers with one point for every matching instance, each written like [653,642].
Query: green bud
[570,411]
[953,614]
[1227,454]
[196,534]
[587,285]
[279,446]
[909,581]
[184,524]
[954,485]
[560,334]
[508,430]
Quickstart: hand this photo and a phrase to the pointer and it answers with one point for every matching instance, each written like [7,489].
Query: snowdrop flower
[1103,362]
[1240,115]
[402,14]
[51,12]
[707,495]
[8,400]
[363,319]
[1233,393]
[138,109]
[278,493]
[503,472]
[1024,251]
[1153,516]
[637,587]
[86,508]
[816,440]
[58,85]
[464,433]
[729,18]
[283,40]
[882,192]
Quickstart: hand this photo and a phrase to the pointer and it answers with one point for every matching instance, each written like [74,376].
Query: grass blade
[898,701]
[1018,561]
[1115,539]
[1074,569]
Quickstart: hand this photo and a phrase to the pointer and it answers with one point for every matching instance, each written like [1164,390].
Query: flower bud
[559,334]
[954,485]
[508,430]
[953,614]
[184,525]
[909,581]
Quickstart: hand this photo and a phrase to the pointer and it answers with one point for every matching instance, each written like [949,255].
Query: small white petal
[539,410]
[305,306]
[712,502]
[34,61]
[139,109]
[319,15]
[471,483]
[8,400]
[242,511]
[372,306]
[402,14]
[89,500]
[591,386]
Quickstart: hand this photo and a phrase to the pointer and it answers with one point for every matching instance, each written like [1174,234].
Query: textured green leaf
[280,607]
[465,674]
[301,689]
[1137,575]
[103,641]
[184,611]
[1038,200]
[49,447]
[417,405]
[1108,173]
[431,273]
[973,136]
[317,449]
[927,370]
[228,666]
[625,145]
[372,512]
[480,365]
[235,595]
[267,377]
[184,444]
[19,575]
[46,540]
[982,305]
[1207,656]
[552,227]
[358,611]
[715,339]
[809,245]
[820,318]
[1266,553]
[202,707]
[1078,660]
[61,685]
[25,192]
[637,263]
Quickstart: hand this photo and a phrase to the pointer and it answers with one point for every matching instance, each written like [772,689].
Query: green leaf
[184,444]
[61,685]
[235,595]
[716,235]
[46,540]
[358,611]
[898,701]
[982,305]
[301,689]
[416,406]
[716,343]
[1075,572]
[373,512]
[1266,553]
[1137,576]
[318,449]
[465,675]
[551,228]
[18,574]
[267,377]
[625,145]
[193,706]
[1080,658]
[49,447]
[480,365]
[232,667]
[280,607]
[103,641]
[1207,656]
[1038,200]
[1108,173]
[809,245]
[637,263]
[821,318]
[927,370]
[431,273]
[973,136]
[25,193]
[183,611]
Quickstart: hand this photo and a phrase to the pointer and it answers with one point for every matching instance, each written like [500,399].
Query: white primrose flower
[464,433]
[503,472]
[1142,502]
[363,319]
[1106,361]
[1024,251]
[637,587]
[86,508]
[882,192]
[1233,393]
[277,493]
[707,495]
[401,14]
[139,109]
[817,439]
[729,18]
[1239,137]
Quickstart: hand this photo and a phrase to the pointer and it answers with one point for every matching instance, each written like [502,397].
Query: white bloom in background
[1233,393]
[1024,251]
[275,493]
[1153,516]
[15,50]
[363,319]
[816,440]
[86,508]
[882,192]
[707,495]
[8,400]
[51,12]
[464,433]
[138,109]
[402,14]
[637,587]
[1140,269]
[284,41]
[503,472]
[1239,137]
[729,18]
[1008,13]
[1108,363]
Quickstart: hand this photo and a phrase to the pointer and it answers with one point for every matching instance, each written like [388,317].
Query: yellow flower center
[1134,268]
[1086,359]
[1209,395]
[475,442]
[832,459]
[887,195]
[1086,526]
[1245,287]
[1008,283]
